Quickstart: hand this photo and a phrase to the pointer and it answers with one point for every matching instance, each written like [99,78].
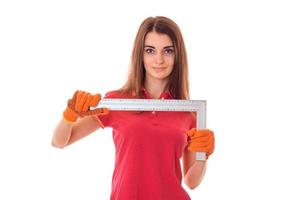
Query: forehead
[158,40]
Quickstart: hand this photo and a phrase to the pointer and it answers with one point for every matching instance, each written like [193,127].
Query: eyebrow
[166,47]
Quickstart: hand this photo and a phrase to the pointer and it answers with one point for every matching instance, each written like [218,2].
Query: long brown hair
[178,83]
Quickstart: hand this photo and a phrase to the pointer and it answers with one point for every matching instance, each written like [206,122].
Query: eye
[169,51]
[149,50]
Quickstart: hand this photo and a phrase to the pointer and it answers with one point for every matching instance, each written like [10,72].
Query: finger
[81,99]
[104,111]
[203,137]
[77,96]
[202,133]
[73,99]
[199,145]
[87,103]
[194,133]
[98,111]
[191,132]
[204,141]
[208,148]
[95,100]
[191,149]
[200,140]
[198,149]
[71,105]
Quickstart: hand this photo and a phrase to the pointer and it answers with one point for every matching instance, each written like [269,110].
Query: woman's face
[159,56]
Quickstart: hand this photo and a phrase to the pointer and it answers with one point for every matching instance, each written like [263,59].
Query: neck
[155,87]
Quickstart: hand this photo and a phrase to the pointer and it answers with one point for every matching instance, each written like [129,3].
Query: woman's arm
[193,169]
[67,133]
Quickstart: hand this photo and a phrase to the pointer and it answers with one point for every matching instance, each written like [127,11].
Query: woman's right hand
[79,106]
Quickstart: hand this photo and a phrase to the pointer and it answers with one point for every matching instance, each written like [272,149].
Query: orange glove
[79,106]
[202,141]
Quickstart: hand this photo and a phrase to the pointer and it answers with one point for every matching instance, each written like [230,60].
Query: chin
[161,77]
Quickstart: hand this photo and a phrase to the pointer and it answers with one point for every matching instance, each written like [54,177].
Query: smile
[159,69]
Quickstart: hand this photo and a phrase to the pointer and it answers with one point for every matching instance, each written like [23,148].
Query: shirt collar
[164,95]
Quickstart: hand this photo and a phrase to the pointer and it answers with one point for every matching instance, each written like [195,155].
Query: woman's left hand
[202,141]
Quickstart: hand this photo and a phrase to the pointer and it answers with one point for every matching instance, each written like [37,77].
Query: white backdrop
[243,58]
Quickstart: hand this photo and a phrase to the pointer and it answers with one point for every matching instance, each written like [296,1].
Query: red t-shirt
[149,146]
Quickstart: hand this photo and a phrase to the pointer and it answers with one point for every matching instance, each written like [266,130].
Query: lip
[159,69]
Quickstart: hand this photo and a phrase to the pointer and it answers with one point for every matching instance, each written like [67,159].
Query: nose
[159,58]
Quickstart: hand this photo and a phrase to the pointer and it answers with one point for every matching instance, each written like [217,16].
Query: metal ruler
[198,106]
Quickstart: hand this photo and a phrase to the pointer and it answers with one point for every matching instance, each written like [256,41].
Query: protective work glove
[79,106]
[201,141]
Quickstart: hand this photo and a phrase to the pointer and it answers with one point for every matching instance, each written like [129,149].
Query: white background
[243,58]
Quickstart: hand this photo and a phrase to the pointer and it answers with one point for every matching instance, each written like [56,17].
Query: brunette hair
[178,83]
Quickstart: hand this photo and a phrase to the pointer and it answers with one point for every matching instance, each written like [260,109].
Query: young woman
[149,145]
